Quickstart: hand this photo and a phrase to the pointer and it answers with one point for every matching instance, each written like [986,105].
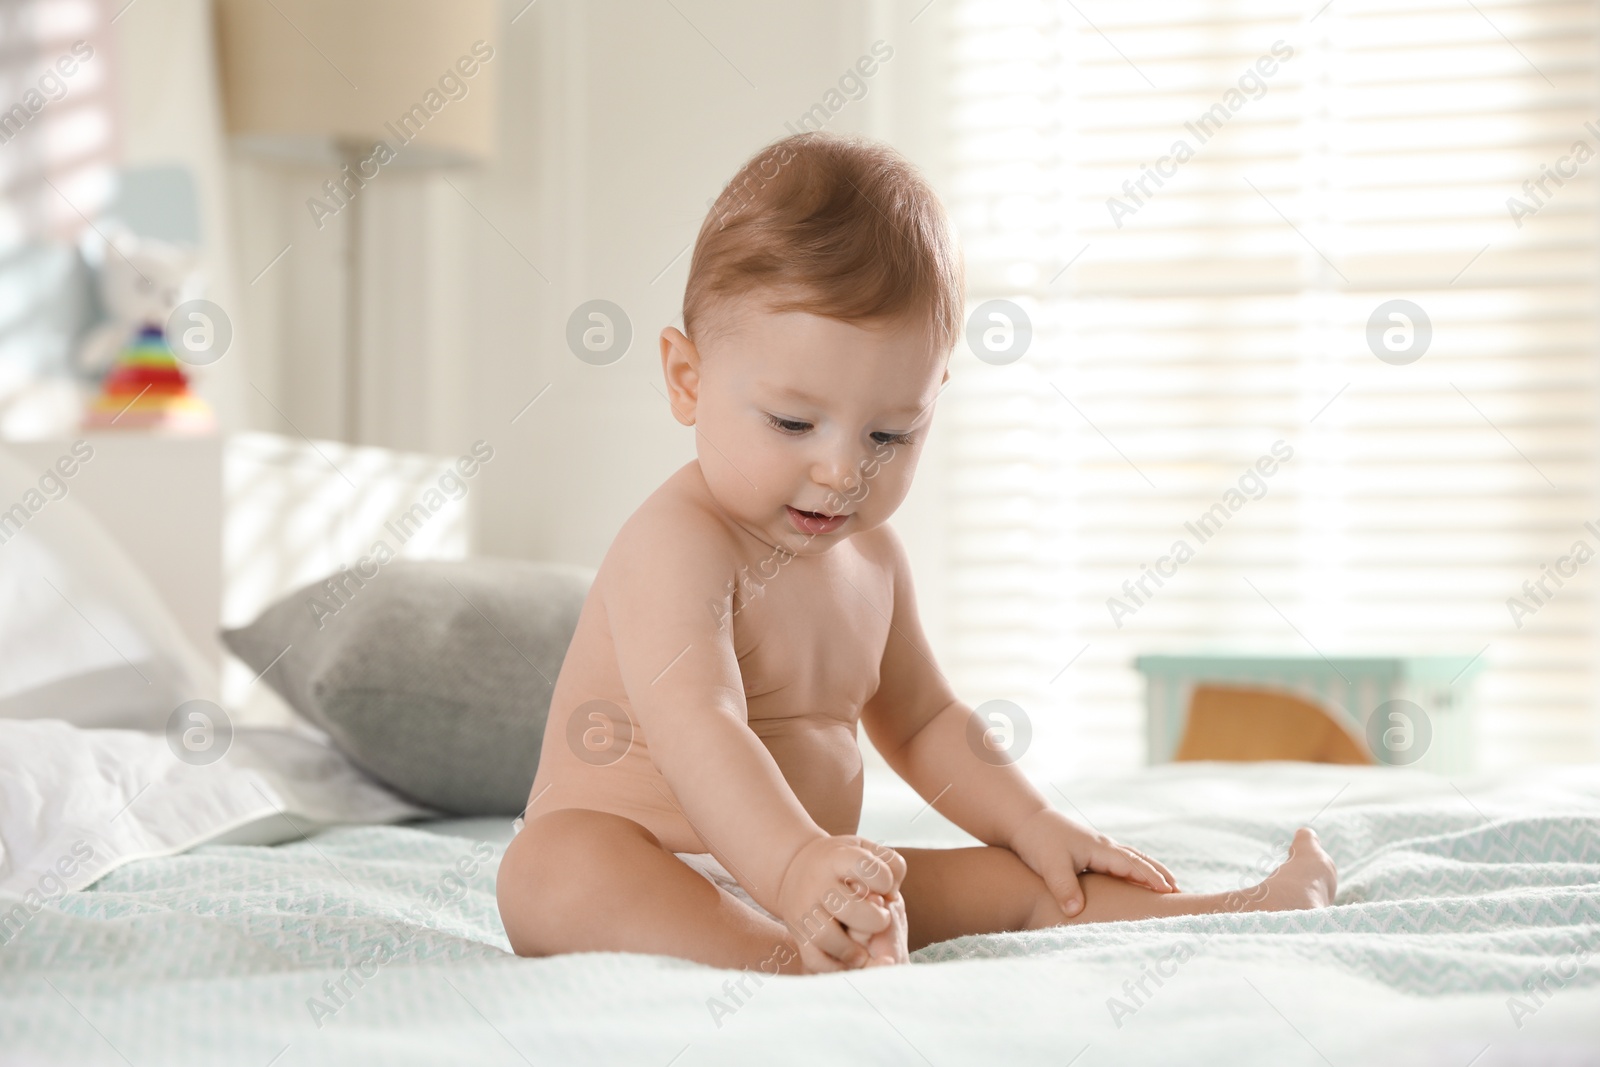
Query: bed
[1465,931]
[278,907]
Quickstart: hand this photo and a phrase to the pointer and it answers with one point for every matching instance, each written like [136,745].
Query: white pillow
[84,636]
[74,804]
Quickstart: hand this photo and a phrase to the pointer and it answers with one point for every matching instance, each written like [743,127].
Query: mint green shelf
[1354,685]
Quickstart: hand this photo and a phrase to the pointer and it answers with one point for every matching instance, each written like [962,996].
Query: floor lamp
[360,88]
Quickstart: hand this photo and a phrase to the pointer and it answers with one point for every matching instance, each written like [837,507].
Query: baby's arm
[667,574]
[925,735]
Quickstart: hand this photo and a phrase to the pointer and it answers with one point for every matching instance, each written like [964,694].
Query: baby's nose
[840,473]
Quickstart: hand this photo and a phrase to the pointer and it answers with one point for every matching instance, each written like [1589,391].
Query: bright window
[56,143]
[1201,206]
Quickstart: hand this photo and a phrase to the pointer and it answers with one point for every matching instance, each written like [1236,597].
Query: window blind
[1204,210]
[56,145]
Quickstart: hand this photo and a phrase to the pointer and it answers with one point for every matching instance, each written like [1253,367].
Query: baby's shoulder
[881,547]
[678,521]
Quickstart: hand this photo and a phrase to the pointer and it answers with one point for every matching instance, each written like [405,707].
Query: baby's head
[824,299]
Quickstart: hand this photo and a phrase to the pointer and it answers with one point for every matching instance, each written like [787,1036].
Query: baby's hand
[888,946]
[1058,850]
[825,900]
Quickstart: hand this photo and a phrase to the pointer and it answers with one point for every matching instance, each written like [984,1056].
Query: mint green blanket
[1467,925]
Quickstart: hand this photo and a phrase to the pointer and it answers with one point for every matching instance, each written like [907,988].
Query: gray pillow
[434,677]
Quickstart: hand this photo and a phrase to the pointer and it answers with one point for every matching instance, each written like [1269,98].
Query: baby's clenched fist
[826,899]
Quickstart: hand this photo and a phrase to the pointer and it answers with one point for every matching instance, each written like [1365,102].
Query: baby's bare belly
[818,756]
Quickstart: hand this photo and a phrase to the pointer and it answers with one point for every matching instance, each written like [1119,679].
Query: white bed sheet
[76,804]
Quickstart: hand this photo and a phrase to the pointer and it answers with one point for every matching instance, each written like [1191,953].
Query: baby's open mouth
[814,522]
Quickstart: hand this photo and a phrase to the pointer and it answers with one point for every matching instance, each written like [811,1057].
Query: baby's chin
[772,525]
[781,533]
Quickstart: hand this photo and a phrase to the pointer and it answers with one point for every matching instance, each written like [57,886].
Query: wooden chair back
[1241,724]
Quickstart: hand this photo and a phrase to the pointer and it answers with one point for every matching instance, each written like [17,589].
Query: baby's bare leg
[957,891]
[588,881]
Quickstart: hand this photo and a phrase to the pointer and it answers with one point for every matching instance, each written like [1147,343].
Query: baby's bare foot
[1307,879]
[888,946]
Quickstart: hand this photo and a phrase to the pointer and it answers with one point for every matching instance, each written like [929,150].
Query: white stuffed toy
[142,281]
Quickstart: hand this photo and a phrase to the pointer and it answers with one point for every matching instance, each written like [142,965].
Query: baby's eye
[886,438]
[789,426]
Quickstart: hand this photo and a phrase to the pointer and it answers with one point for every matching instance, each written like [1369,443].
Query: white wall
[169,112]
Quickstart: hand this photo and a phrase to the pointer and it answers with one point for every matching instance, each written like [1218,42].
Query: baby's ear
[680,366]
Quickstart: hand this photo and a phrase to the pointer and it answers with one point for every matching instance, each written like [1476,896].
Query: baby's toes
[889,946]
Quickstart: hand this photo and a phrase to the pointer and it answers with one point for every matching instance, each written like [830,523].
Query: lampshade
[310,80]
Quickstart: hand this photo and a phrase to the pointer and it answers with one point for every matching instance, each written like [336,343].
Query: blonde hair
[834,225]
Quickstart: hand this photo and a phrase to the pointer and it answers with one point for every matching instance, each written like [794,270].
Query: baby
[700,784]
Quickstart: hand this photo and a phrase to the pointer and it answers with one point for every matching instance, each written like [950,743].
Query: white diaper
[704,863]
[718,875]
